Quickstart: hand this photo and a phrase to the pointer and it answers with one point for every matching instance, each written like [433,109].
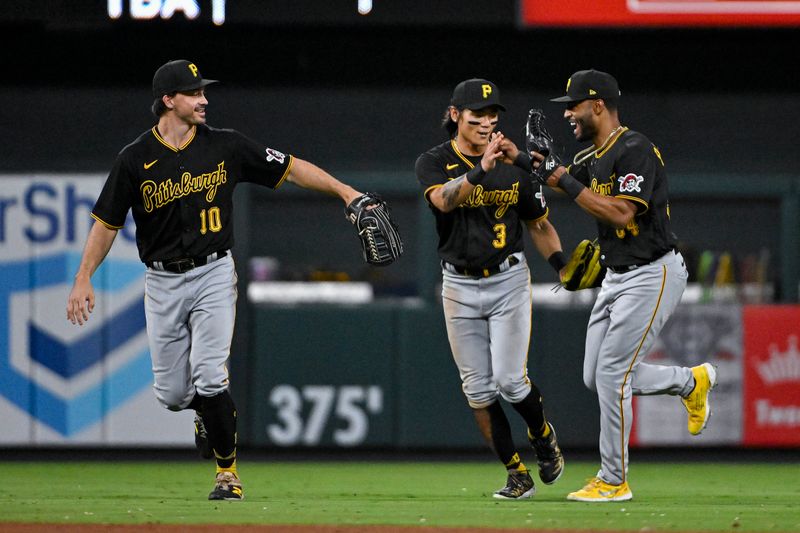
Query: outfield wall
[382,375]
[330,375]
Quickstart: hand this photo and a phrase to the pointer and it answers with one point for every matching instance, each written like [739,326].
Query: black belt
[185,264]
[621,269]
[485,272]
[624,268]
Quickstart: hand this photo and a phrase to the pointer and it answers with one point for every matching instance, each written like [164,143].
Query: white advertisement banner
[61,384]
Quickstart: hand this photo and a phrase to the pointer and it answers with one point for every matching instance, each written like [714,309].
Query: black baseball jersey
[182,197]
[486,228]
[631,167]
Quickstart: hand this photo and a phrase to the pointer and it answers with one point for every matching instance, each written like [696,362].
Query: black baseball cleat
[518,486]
[548,455]
[201,438]
[227,487]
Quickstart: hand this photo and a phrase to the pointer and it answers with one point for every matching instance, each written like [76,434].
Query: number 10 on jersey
[210,220]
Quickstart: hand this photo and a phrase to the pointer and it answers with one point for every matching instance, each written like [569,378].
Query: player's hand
[552,180]
[510,151]
[80,301]
[493,152]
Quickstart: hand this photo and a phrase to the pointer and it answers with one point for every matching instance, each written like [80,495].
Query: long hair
[448,124]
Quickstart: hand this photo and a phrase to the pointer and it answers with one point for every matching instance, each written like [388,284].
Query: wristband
[557,261]
[476,174]
[570,185]
[523,161]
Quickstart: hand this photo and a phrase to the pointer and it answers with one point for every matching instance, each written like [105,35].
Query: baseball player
[620,180]
[178,179]
[482,207]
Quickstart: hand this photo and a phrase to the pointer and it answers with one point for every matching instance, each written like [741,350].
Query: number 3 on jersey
[500,233]
[210,220]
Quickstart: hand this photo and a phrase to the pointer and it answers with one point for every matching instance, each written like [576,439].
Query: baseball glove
[583,270]
[381,244]
[538,139]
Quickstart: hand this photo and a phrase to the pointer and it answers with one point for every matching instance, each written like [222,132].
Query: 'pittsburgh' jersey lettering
[158,195]
[603,189]
[503,198]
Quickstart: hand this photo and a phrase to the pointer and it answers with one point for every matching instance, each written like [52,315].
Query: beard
[586,130]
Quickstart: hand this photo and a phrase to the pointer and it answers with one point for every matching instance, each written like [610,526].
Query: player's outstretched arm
[310,176]
[544,236]
[616,212]
[80,301]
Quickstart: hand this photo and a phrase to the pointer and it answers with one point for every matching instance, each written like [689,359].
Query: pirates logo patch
[630,183]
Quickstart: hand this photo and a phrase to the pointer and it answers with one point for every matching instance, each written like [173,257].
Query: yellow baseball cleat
[598,490]
[697,403]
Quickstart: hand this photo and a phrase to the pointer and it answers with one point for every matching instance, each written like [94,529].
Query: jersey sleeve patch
[630,183]
[275,155]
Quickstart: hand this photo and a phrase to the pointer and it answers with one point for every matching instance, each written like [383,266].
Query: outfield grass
[667,496]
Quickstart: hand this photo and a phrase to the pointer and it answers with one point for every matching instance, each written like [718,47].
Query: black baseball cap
[177,76]
[476,94]
[589,85]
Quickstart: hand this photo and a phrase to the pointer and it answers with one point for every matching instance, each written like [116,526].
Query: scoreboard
[659,13]
[67,14]
[510,14]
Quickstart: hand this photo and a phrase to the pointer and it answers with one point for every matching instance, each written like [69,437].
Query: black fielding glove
[537,138]
[381,244]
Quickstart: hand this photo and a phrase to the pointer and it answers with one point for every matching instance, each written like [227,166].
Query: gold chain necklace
[586,153]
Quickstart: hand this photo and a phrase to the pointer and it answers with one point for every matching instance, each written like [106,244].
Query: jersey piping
[165,143]
[460,155]
[634,199]
[598,155]
[103,222]
[530,328]
[630,368]
[286,172]
[546,214]
[431,188]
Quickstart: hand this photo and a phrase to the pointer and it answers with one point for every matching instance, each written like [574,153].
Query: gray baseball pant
[489,328]
[630,311]
[190,320]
